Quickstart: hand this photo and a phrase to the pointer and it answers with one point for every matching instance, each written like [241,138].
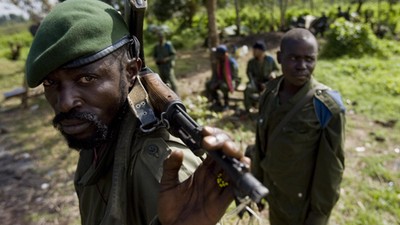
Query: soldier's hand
[203,198]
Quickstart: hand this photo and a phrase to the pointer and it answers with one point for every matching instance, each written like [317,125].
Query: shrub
[351,39]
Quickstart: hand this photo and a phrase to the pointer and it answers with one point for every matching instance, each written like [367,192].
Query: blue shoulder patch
[233,61]
[338,99]
[322,112]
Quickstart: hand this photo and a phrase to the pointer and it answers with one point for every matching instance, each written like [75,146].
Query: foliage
[15,33]
[24,39]
[348,38]
[184,9]
[256,20]
[165,9]
[383,14]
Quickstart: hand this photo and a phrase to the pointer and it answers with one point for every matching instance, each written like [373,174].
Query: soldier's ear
[278,56]
[133,67]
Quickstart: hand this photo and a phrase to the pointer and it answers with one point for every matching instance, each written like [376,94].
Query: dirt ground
[23,190]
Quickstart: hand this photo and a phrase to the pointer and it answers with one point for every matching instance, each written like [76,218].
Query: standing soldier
[299,147]
[260,70]
[164,55]
[224,77]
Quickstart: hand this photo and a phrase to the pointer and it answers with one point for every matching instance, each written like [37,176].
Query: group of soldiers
[225,78]
[260,69]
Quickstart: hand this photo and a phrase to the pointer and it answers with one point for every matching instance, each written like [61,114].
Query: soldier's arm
[274,69]
[256,156]
[329,169]
[248,71]
[171,52]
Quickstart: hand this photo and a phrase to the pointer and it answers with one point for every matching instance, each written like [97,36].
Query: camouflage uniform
[303,166]
[164,55]
[258,73]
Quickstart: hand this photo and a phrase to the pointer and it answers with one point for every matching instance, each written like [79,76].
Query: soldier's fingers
[216,139]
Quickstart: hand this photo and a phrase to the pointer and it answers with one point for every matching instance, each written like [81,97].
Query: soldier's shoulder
[272,84]
[268,57]
[252,60]
[232,60]
[330,98]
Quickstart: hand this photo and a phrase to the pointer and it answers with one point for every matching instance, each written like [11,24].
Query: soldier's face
[298,60]
[257,52]
[86,100]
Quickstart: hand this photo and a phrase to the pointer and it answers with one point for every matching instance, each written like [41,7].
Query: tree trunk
[360,3]
[272,25]
[237,9]
[213,40]
[312,6]
[282,7]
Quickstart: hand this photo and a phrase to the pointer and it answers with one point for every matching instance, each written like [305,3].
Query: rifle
[171,112]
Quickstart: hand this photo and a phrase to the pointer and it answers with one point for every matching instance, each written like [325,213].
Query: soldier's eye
[86,79]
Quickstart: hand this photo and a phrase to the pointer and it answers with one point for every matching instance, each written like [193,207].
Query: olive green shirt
[303,166]
[122,187]
[259,72]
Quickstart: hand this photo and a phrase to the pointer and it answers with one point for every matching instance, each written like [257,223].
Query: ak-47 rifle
[170,110]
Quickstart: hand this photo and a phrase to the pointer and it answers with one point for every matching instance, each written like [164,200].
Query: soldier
[260,69]
[299,145]
[224,77]
[164,56]
[88,64]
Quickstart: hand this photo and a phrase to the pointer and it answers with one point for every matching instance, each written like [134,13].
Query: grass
[370,86]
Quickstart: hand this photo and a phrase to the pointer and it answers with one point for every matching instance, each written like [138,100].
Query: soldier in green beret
[299,145]
[88,63]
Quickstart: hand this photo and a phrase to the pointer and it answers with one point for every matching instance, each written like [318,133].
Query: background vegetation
[363,67]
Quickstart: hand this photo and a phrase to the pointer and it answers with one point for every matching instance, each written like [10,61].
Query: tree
[211,6]
[167,9]
[237,10]
[283,4]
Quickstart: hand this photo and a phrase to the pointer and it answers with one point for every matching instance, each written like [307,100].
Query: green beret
[75,32]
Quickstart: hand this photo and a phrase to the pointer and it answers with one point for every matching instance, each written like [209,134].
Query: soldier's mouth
[74,127]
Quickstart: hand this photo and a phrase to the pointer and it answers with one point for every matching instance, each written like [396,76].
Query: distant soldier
[164,56]
[320,25]
[260,70]
[224,77]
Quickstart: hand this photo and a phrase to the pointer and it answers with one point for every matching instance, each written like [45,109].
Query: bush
[24,39]
[351,39]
